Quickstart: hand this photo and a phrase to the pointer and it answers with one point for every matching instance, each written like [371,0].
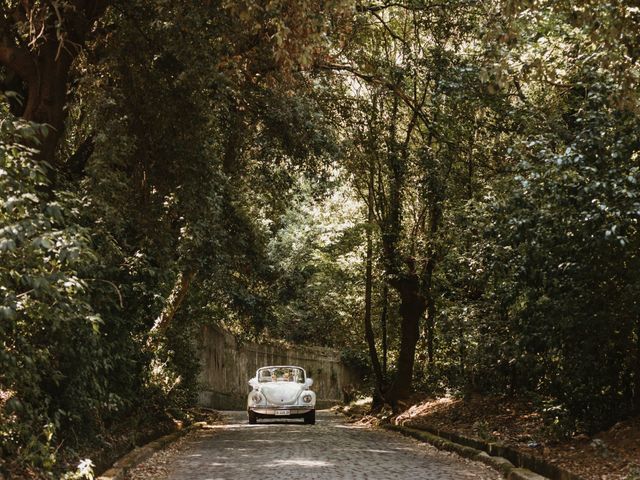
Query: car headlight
[306,398]
[256,397]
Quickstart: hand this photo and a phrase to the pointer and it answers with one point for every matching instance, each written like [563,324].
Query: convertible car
[281,392]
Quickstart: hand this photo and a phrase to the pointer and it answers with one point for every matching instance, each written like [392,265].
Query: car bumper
[294,411]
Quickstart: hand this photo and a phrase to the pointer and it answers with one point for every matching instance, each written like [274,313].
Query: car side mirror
[308,382]
[254,382]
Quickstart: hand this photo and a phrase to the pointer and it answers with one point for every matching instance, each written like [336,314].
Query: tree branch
[384,6]
[177,296]
[383,82]
[388,29]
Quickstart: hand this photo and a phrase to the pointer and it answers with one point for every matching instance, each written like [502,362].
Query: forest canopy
[447,192]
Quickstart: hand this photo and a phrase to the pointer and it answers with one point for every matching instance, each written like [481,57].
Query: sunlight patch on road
[299,463]
[353,427]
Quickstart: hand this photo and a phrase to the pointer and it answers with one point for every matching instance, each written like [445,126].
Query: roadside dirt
[610,455]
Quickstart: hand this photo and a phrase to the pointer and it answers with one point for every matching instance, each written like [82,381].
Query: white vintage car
[281,392]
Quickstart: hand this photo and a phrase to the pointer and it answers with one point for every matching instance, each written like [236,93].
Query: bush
[50,355]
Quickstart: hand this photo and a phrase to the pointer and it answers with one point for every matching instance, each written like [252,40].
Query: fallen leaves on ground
[610,455]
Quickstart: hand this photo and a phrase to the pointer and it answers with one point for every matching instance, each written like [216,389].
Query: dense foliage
[51,359]
[448,192]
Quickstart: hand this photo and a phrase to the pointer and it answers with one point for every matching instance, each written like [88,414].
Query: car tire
[253,418]
[310,418]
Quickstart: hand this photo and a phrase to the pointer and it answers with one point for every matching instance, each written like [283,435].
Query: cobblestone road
[329,450]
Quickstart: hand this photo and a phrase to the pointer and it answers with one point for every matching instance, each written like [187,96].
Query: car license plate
[283,412]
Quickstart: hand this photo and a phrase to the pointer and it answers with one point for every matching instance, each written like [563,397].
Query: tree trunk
[412,307]
[383,325]
[400,271]
[431,310]
[47,95]
[462,351]
[430,320]
[368,327]
[427,274]
[636,390]
[177,296]
[235,134]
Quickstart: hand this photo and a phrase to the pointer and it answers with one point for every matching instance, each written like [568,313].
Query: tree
[39,42]
[409,63]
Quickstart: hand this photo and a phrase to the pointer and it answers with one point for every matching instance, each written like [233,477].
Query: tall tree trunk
[400,271]
[431,310]
[368,327]
[383,326]
[637,379]
[462,351]
[47,95]
[175,300]
[435,217]
[235,134]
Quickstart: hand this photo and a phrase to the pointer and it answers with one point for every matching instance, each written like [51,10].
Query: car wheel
[253,418]
[310,418]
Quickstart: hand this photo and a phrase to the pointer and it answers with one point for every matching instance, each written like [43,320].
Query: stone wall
[228,365]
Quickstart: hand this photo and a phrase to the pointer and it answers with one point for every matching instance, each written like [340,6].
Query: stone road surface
[330,450]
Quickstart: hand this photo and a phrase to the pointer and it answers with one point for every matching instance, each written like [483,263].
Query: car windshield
[281,374]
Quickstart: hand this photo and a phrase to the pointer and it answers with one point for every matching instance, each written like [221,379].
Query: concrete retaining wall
[227,366]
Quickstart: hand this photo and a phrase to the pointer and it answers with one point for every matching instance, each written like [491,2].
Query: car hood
[281,393]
